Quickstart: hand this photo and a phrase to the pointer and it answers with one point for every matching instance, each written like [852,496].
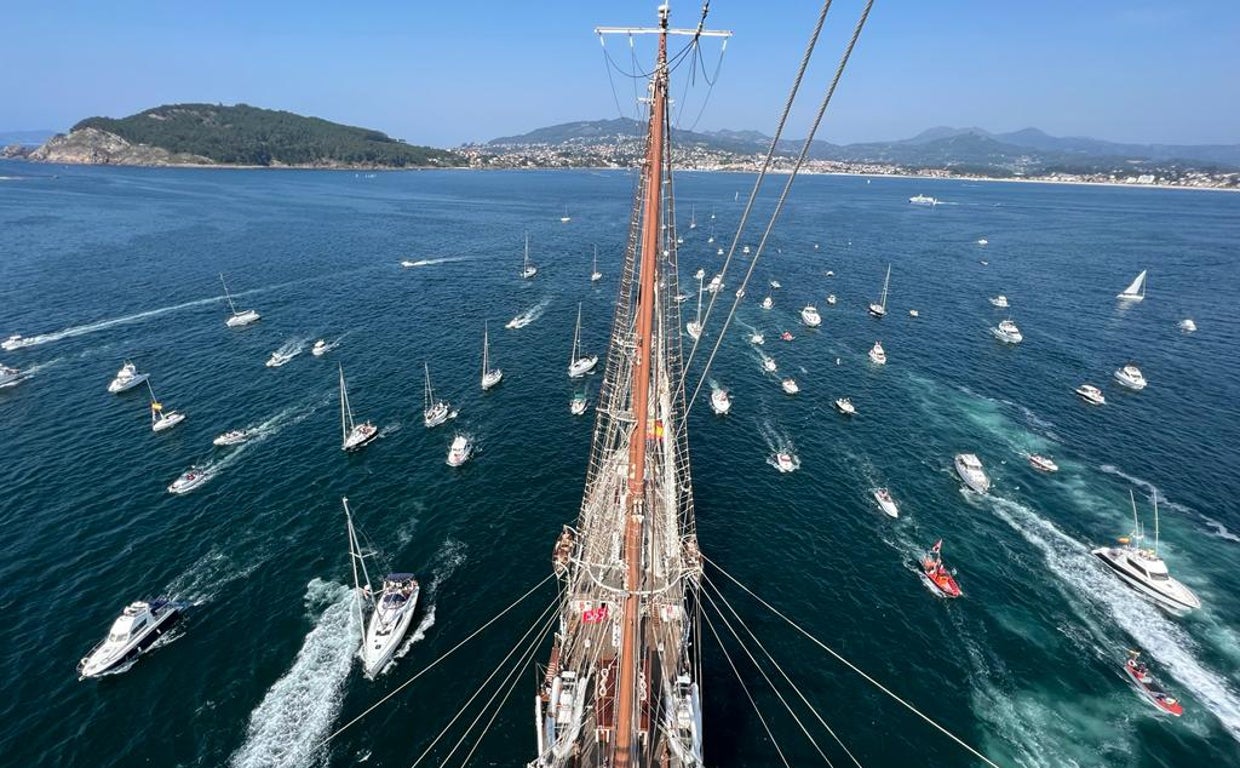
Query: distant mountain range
[941,147]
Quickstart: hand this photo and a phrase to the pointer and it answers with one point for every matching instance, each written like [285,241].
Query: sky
[448,73]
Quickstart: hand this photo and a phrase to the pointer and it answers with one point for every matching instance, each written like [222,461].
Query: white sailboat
[160,418]
[353,436]
[237,318]
[490,377]
[694,326]
[595,275]
[692,217]
[879,308]
[528,270]
[565,218]
[435,411]
[578,364]
[391,611]
[1135,290]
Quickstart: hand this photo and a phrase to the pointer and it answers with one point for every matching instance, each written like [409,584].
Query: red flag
[938,545]
[595,615]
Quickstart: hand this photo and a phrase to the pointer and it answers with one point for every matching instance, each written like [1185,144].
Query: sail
[1135,290]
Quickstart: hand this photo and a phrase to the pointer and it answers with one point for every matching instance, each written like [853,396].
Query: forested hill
[240,135]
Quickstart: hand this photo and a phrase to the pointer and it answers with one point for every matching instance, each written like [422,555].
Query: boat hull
[378,649]
[91,667]
[360,438]
[1168,602]
[242,319]
[116,386]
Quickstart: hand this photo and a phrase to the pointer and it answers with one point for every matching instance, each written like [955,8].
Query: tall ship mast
[622,683]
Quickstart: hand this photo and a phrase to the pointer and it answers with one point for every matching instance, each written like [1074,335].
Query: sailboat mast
[430,395]
[886,282]
[576,337]
[346,413]
[525,264]
[228,295]
[1155,523]
[626,708]
[485,341]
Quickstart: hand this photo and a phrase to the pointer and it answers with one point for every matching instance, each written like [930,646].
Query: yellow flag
[156,407]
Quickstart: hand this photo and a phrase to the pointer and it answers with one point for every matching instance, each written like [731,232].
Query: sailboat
[490,377]
[353,436]
[528,270]
[694,326]
[237,318]
[578,364]
[565,218]
[435,411]
[693,217]
[621,686]
[1135,290]
[595,275]
[391,611]
[879,308]
[160,418]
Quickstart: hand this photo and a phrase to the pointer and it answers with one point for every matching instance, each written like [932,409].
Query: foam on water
[1216,528]
[207,577]
[262,431]
[287,728]
[433,262]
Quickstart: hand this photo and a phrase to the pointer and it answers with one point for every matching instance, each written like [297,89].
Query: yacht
[232,437]
[923,200]
[694,326]
[914,313]
[460,450]
[720,402]
[768,364]
[279,358]
[490,376]
[768,302]
[188,481]
[354,436]
[161,419]
[785,461]
[434,412]
[845,406]
[878,355]
[577,406]
[983,241]
[1130,376]
[1000,301]
[578,364]
[939,579]
[8,375]
[1135,290]
[238,318]
[127,378]
[320,348]
[1144,570]
[886,503]
[831,299]
[700,274]
[393,606]
[694,329]
[745,250]
[1007,332]
[528,269]
[879,308]
[790,386]
[1187,325]
[565,218]
[810,316]
[969,467]
[757,338]
[716,284]
[1044,463]
[775,284]
[1091,394]
[132,633]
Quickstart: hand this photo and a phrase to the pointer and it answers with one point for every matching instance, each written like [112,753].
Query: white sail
[1136,290]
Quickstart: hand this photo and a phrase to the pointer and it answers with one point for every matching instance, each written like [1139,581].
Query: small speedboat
[923,200]
[719,252]
[127,378]
[785,461]
[720,402]
[775,284]
[320,348]
[790,386]
[830,272]
[1007,332]
[1187,325]
[914,313]
[983,241]
[15,342]
[680,298]
[757,338]
[460,450]
[810,316]
[394,608]
[831,299]
[969,467]
[745,249]
[768,364]
[886,503]
[845,406]
[694,329]
[1149,688]
[279,358]
[188,481]
[1130,376]
[132,633]
[1091,394]
[520,321]
[232,437]
[577,406]
[1043,463]
[786,336]
[8,375]
[940,581]
[768,302]
[878,355]
[715,285]
[408,263]
[1000,301]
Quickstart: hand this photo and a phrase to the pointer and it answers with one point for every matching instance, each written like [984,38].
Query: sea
[102,265]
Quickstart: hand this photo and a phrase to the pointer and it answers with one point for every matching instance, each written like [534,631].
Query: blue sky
[446,73]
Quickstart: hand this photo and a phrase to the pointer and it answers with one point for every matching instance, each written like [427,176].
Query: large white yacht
[1007,332]
[923,200]
[390,620]
[878,355]
[490,376]
[969,467]
[127,378]
[460,450]
[720,402]
[528,268]
[1144,570]
[810,316]
[1091,394]
[133,632]
[1130,376]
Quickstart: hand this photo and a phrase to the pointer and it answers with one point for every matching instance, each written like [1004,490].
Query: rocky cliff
[92,146]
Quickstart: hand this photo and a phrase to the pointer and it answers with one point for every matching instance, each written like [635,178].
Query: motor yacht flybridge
[1143,570]
[127,378]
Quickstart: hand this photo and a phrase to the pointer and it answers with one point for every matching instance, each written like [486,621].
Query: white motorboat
[392,608]
[700,274]
[1144,571]
[460,450]
[528,269]
[160,418]
[716,284]
[132,633]
[886,503]
[279,358]
[595,275]
[1091,394]
[845,406]
[407,263]
[9,375]
[238,318]
[719,252]
[830,272]
[1135,290]
[232,437]
[745,250]
[1130,376]
[757,338]
[694,329]
[14,342]
[775,284]
[831,299]
[720,402]
[923,200]
[768,302]
[790,386]
[879,308]
[1000,301]
[786,462]
[520,321]
[320,348]
[878,355]
[1043,463]
[577,406]
[353,436]
[969,467]
[434,412]
[188,481]
[490,376]
[680,298]
[1187,325]
[914,313]
[768,364]
[810,316]
[1007,332]
[579,364]
[983,241]
[127,378]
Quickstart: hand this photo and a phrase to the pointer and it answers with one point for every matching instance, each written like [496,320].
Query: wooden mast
[651,218]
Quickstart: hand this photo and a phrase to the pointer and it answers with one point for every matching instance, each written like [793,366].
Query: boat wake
[82,330]
[529,315]
[450,557]
[432,262]
[286,729]
[261,432]
[207,577]
[1101,593]
[1216,528]
[778,442]
[287,351]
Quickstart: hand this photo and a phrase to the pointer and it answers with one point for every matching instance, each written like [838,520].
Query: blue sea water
[102,265]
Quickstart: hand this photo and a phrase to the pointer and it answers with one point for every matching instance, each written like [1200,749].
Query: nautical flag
[156,407]
[595,615]
[938,545]
[658,429]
